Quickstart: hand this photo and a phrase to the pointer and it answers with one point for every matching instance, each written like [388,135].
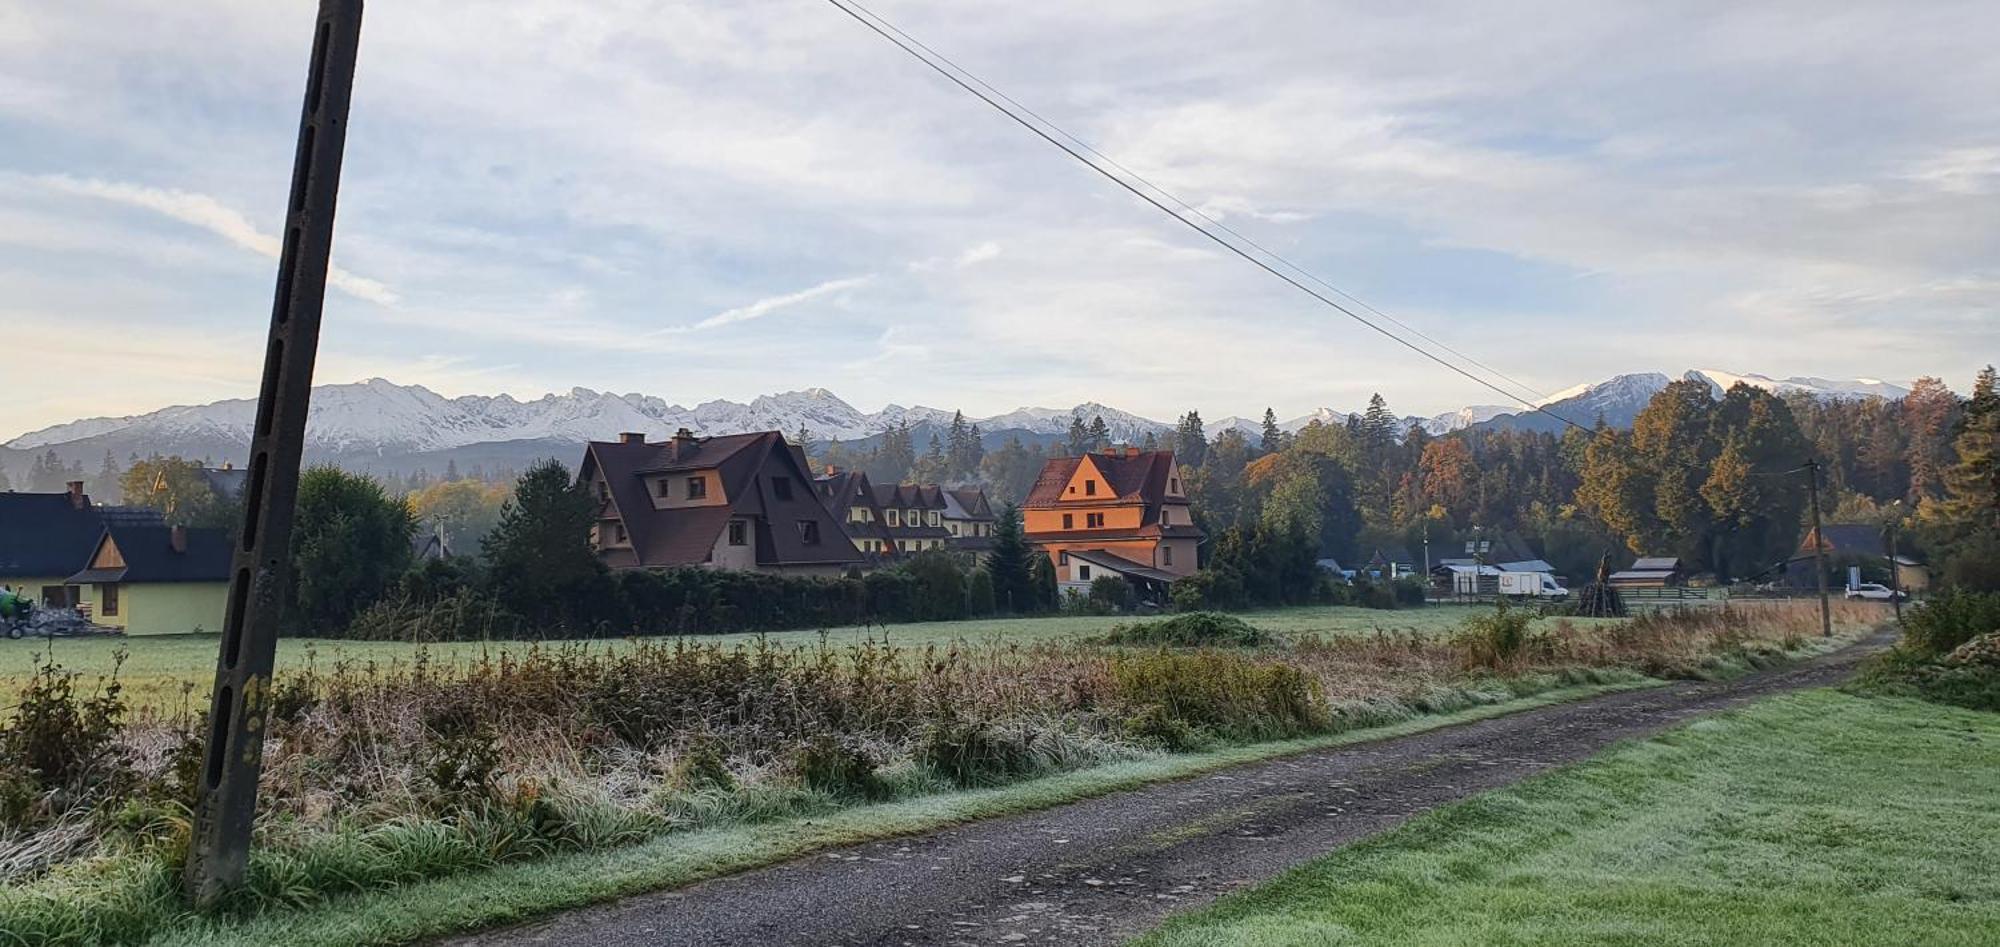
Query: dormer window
[934,518]
[697,488]
[895,517]
[781,487]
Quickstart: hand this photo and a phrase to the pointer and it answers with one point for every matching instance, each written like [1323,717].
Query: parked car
[1875,592]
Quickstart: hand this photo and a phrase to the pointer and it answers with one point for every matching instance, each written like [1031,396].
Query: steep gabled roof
[149,556]
[745,464]
[46,534]
[968,503]
[1132,476]
[1851,539]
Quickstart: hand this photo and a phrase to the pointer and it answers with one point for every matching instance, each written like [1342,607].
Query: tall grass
[377,776]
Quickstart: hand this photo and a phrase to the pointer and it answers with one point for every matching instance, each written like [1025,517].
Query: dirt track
[1101,870]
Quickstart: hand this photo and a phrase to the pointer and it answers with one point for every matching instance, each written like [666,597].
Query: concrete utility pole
[1819,551]
[227,803]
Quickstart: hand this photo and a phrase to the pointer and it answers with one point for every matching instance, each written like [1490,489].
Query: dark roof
[974,502]
[1850,539]
[1391,555]
[1656,564]
[227,482]
[746,465]
[46,534]
[1118,563]
[1134,476]
[150,556]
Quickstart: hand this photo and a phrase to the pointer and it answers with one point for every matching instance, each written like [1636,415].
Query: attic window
[1090,488]
[697,488]
[895,517]
[934,520]
[1173,484]
[781,487]
[618,532]
[662,486]
[809,532]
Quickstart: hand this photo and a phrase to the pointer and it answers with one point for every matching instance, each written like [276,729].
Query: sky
[701,199]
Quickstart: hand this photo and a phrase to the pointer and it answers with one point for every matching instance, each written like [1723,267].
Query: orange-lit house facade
[1119,512]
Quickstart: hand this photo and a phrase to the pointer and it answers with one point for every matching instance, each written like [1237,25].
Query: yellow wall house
[158,580]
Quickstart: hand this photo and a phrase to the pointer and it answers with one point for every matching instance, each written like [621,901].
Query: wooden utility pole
[1895,567]
[1819,551]
[226,805]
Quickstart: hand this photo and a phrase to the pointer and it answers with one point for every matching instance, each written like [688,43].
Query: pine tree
[1972,485]
[975,452]
[1044,586]
[1079,436]
[1149,441]
[1100,434]
[451,471]
[803,439]
[1378,425]
[959,451]
[1273,438]
[1190,440]
[1009,562]
[539,556]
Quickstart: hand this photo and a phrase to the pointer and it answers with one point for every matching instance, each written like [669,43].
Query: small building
[46,537]
[157,580]
[1851,544]
[850,497]
[1654,572]
[738,501]
[1390,563]
[1124,508]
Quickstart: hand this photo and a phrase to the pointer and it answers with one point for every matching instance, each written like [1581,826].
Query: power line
[1198,228]
[1107,159]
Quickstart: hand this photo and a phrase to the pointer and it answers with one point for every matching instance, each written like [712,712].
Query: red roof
[1133,476]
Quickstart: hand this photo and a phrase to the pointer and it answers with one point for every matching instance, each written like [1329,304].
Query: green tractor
[15,610]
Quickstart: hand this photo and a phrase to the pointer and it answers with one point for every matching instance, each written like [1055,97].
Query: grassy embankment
[396,807]
[1816,818]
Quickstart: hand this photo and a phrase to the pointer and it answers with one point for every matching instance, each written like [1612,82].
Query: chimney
[832,470]
[178,538]
[76,497]
[632,437]
[1131,450]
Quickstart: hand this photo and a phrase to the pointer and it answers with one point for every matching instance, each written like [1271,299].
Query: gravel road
[1102,870]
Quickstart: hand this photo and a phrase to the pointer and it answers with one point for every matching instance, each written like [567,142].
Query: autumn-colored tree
[1928,413]
[1447,474]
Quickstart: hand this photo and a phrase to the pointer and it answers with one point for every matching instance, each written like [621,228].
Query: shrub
[1495,640]
[61,746]
[981,752]
[1191,629]
[1219,695]
[1949,619]
[1110,593]
[829,764]
[979,593]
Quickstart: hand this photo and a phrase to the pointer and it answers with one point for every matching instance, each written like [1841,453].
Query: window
[697,488]
[1090,488]
[895,517]
[107,596]
[934,519]
[914,517]
[618,532]
[739,534]
[1069,521]
[903,544]
[1093,520]
[781,487]
[809,532]
[1173,484]
[1166,555]
[1166,516]
[1083,573]
[1062,558]
[662,488]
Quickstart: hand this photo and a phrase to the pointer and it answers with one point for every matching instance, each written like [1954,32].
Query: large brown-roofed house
[737,501]
[915,515]
[850,497]
[1119,512]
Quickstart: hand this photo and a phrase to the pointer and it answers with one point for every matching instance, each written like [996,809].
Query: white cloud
[770,304]
[207,213]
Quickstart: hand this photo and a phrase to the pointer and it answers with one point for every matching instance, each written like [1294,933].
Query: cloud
[207,213]
[770,304]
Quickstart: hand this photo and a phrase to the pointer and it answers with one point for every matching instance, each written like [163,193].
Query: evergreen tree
[804,440]
[961,460]
[1079,436]
[1149,441]
[1191,440]
[539,558]
[1009,563]
[104,487]
[1100,434]
[1378,425]
[1972,484]
[1273,438]
[1044,587]
[1012,469]
[451,471]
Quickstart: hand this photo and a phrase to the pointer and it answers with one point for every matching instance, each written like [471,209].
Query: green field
[164,672]
[1816,818]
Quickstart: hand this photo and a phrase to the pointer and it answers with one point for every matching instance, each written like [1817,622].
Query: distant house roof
[924,498]
[968,503]
[1656,564]
[1391,555]
[1528,565]
[1117,563]
[1846,539]
[44,535]
[747,465]
[227,482]
[149,554]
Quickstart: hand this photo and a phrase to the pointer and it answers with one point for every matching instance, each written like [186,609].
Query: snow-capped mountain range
[381,419]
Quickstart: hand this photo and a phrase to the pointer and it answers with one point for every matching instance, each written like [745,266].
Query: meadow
[172,673]
[1817,818]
